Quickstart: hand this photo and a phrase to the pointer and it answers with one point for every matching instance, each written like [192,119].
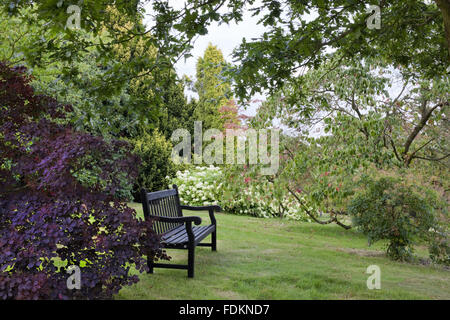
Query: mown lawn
[278,259]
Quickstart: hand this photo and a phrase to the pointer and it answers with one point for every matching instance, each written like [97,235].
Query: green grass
[278,259]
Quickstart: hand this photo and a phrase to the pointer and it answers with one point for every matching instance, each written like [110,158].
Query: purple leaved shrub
[62,202]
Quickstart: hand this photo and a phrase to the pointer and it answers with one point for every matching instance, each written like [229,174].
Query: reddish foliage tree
[50,218]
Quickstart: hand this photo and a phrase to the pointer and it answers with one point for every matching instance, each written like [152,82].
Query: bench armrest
[210,209]
[190,219]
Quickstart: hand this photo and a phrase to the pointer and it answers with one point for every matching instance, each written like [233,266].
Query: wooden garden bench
[176,231]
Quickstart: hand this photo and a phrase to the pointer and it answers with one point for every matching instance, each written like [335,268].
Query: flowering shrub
[62,202]
[206,185]
[259,200]
[200,186]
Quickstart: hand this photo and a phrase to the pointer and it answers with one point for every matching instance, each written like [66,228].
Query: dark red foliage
[50,220]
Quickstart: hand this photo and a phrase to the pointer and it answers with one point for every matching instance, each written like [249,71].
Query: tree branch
[312,216]
[426,114]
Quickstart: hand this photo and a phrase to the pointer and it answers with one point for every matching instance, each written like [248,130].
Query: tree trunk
[444,6]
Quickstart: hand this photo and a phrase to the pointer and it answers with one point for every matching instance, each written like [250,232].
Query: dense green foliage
[413,34]
[175,111]
[302,34]
[390,209]
[112,115]
[97,107]
[155,153]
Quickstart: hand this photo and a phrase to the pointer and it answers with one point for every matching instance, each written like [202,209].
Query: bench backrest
[165,203]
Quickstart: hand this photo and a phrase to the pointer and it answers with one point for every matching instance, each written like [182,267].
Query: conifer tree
[213,89]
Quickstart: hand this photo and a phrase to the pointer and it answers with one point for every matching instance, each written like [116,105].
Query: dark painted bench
[176,231]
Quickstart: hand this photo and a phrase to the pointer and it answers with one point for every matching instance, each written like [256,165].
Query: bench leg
[191,255]
[214,241]
[150,264]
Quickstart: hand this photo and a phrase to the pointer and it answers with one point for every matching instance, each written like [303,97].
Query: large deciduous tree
[413,34]
[352,117]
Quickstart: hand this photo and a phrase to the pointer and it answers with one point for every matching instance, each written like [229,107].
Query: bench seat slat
[170,233]
[179,235]
[204,233]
